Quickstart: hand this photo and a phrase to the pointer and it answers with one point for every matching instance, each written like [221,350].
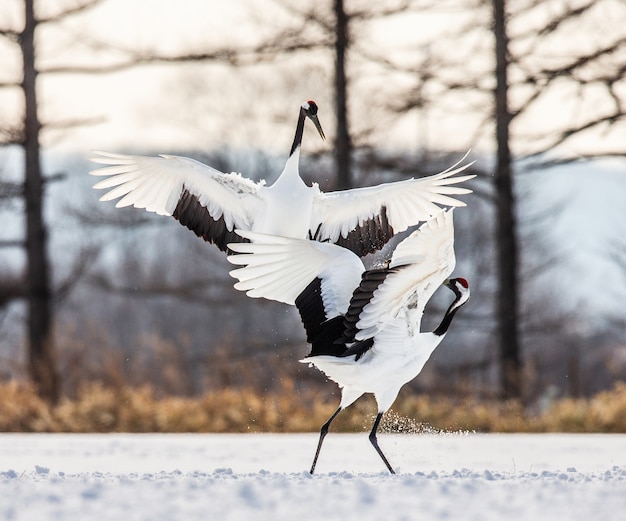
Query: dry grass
[125,409]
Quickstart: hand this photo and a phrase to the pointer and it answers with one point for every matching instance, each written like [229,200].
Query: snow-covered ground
[264,477]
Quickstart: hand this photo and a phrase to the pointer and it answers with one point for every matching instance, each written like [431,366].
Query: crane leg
[374,442]
[323,433]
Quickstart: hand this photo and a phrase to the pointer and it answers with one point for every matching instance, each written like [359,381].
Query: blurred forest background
[94,295]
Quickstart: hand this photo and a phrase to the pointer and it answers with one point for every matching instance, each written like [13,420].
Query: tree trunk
[41,362]
[343,145]
[506,239]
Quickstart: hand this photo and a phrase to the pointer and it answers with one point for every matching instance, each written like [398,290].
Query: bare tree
[37,289]
[506,232]
[343,145]
[519,81]
[41,364]
[588,67]
[334,22]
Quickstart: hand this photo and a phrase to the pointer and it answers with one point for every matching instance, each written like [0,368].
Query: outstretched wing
[364,219]
[419,265]
[318,278]
[280,268]
[207,201]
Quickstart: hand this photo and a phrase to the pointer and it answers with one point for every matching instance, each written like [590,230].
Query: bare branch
[190,291]
[565,135]
[375,12]
[71,123]
[11,288]
[9,190]
[120,66]
[12,243]
[554,24]
[134,59]
[11,35]
[83,261]
[312,14]
[288,41]
[11,135]
[545,76]
[524,106]
[10,84]
[540,163]
[70,11]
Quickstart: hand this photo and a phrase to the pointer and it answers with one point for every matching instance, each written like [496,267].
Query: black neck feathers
[442,328]
[297,139]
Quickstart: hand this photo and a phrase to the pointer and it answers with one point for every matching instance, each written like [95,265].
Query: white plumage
[213,204]
[363,326]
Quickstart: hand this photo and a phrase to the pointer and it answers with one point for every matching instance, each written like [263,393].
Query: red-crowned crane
[212,204]
[363,325]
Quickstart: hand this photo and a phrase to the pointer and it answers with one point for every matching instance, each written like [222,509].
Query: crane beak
[318,125]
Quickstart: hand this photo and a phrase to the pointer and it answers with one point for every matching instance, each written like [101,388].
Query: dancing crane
[363,325]
[212,204]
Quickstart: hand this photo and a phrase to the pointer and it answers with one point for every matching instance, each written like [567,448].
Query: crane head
[461,289]
[310,110]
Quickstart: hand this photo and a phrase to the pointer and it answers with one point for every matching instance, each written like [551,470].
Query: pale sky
[165,108]
[207,106]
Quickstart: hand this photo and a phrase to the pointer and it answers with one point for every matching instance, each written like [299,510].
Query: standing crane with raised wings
[212,204]
[363,325]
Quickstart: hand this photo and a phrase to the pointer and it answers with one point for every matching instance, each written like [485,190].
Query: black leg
[374,442]
[323,433]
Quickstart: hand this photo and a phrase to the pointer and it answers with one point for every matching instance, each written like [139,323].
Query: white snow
[264,477]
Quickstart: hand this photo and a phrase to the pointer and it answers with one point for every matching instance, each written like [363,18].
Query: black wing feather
[370,236]
[336,337]
[311,308]
[321,333]
[192,214]
[370,281]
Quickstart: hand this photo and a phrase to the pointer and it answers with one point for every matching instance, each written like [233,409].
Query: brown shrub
[100,408]
[21,410]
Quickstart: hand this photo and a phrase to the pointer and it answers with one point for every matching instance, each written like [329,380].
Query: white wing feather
[156,183]
[428,257]
[280,268]
[407,203]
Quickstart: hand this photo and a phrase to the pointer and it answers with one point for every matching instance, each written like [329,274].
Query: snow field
[264,477]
